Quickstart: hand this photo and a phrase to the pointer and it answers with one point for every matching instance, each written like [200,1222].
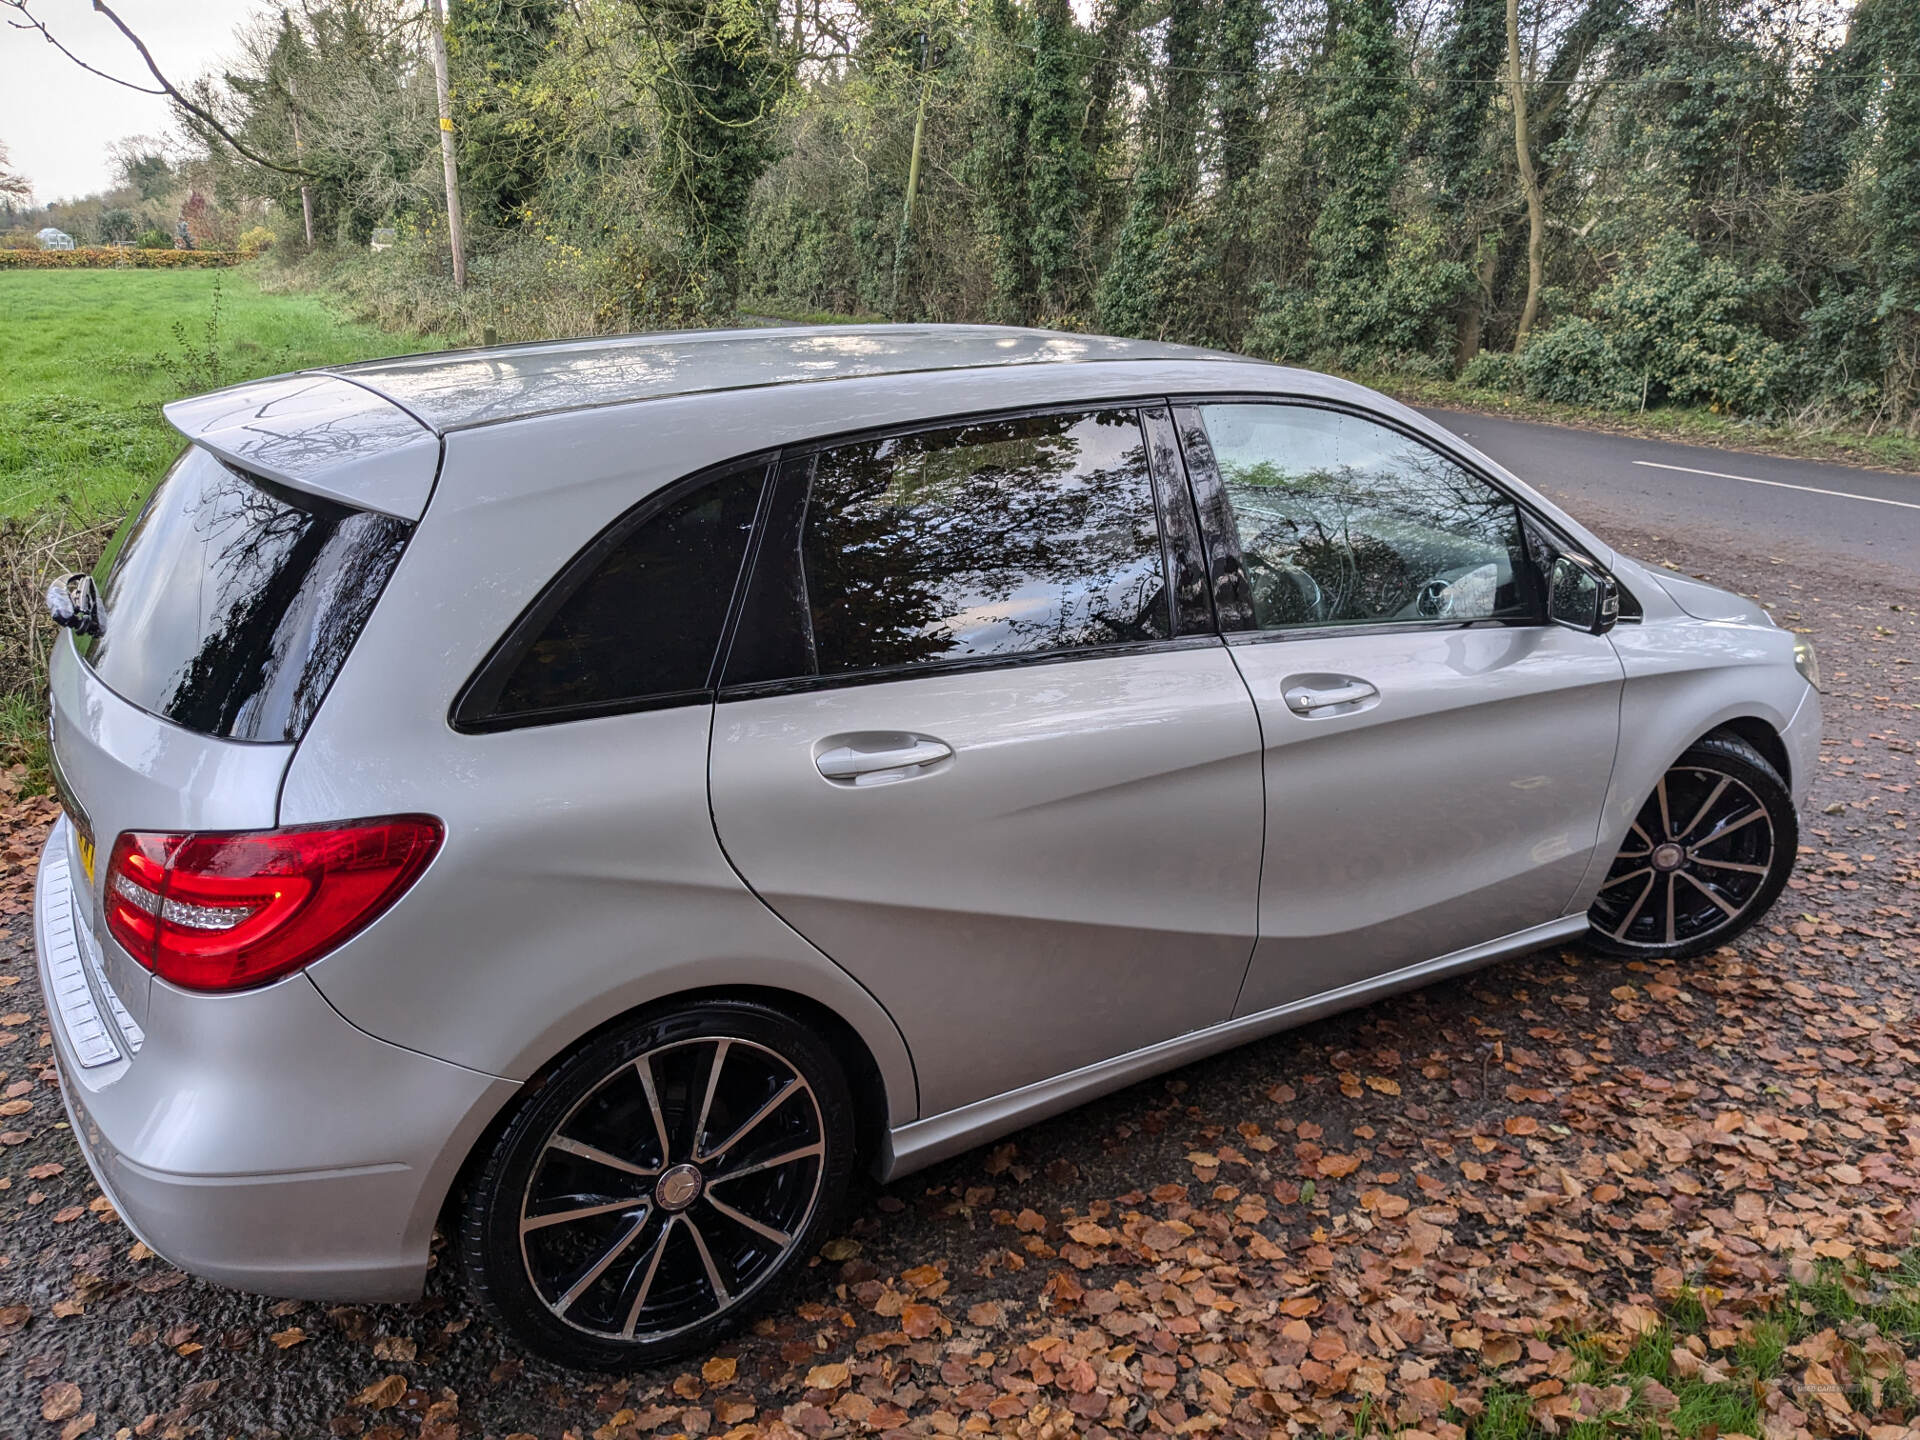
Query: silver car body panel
[1685,677]
[1462,800]
[579,880]
[262,1141]
[1077,881]
[301,1137]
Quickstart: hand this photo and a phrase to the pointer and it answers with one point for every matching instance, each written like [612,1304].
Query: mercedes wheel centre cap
[678,1188]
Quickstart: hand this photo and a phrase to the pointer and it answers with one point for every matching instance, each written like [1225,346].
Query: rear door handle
[874,758]
[1313,700]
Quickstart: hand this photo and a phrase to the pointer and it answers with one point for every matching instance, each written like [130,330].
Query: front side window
[998,537]
[1343,521]
[637,618]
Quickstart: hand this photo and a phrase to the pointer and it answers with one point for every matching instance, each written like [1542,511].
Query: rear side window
[998,537]
[232,602]
[635,620]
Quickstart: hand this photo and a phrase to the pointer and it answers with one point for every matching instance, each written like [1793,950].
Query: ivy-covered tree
[1153,281]
[723,69]
[1891,28]
[1468,171]
[507,112]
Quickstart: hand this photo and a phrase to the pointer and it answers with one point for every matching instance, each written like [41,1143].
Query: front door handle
[876,757]
[1319,699]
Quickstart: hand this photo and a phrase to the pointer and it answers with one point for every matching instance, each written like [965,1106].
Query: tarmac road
[1789,511]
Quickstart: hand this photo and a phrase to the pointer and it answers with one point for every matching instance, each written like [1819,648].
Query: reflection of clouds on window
[990,538]
[1344,521]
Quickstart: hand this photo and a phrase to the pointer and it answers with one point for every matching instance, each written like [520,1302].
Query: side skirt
[925,1142]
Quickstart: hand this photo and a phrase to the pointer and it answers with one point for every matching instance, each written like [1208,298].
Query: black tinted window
[643,615]
[997,537]
[1345,521]
[232,603]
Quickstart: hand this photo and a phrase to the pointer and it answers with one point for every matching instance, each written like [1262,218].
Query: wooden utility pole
[1529,180]
[299,158]
[913,172]
[455,230]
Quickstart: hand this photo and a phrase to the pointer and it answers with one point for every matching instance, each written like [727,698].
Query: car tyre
[1706,856]
[659,1184]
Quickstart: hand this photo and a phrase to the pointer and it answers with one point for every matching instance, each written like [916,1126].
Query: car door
[1436,753]
[974,745]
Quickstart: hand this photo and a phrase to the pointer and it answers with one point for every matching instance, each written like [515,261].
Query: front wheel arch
[1754,731]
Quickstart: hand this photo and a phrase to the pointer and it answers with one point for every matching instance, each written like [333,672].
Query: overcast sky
[58,120]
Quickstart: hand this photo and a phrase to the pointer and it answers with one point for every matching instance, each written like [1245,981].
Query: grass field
[87,360]
[89,356]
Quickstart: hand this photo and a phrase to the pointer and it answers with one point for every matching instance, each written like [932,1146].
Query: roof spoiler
[320,434]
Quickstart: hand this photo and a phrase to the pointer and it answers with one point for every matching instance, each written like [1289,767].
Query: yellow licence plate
[86,855]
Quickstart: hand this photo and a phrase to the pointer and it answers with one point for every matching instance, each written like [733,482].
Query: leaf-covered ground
[1565,1195]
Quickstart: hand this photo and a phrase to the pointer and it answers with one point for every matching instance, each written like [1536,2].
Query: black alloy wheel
[659,1186]
[1709,852]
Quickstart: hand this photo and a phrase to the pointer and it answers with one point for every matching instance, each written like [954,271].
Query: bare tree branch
[167,88]
[13,185]
[33,22]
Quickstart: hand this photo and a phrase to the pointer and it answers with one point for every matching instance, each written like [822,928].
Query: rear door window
[995,538]
[232,602]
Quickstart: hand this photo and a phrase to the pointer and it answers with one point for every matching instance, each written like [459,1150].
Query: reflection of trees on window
[233,605]
[1352,540]
[996,537]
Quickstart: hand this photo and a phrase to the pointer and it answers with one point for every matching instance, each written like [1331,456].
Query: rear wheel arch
[563,1297]
[864,1078]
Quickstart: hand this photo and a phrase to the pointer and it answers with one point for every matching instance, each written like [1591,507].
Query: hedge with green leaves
[109,257]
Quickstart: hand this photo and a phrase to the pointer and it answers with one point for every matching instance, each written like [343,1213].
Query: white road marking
[1780,484]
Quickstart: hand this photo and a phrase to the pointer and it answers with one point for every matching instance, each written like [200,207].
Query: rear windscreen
[231,601]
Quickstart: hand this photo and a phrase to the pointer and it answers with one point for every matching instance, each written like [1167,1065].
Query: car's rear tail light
[225,912]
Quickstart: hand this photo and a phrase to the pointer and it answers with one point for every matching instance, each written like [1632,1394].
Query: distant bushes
[1677,326]
[112,257]
[519,287]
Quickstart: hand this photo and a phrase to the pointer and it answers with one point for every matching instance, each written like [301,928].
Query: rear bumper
[258,1139]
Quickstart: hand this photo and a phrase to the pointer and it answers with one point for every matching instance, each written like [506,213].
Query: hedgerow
[112,257]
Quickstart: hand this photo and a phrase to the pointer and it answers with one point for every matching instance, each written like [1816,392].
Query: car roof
[455,389]
[372,434]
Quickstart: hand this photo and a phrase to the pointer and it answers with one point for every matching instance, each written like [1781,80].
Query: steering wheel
[1435,600]
[1283,594]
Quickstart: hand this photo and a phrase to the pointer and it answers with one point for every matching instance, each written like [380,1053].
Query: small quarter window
[635,619]
[1343,521]
[998,537]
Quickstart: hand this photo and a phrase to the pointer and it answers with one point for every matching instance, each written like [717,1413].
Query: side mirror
[74,604]
[1581,596]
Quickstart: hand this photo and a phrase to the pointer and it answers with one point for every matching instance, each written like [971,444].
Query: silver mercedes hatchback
[588,797]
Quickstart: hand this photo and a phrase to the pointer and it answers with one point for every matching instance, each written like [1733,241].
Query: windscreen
[230,602]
